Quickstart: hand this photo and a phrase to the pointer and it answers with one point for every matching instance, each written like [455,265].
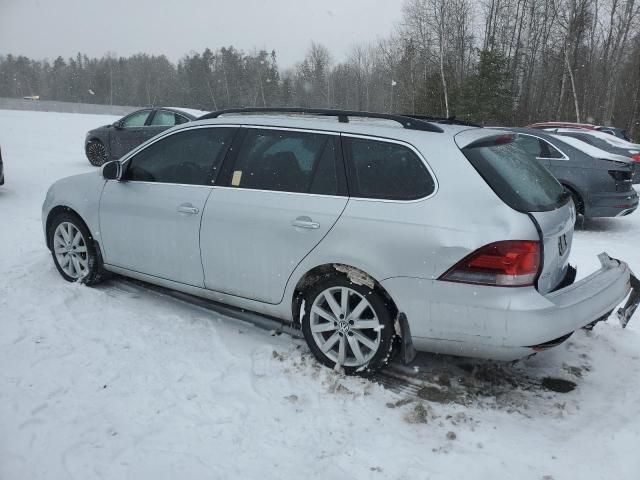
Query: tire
[577,201]
[96,153]
[362,343]
[73,250]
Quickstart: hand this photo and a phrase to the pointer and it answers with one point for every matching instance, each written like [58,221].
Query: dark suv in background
[111,142]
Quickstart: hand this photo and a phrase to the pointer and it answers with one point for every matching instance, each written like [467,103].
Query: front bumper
[507,323]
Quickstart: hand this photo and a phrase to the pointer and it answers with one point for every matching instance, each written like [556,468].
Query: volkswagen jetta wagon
[365,230]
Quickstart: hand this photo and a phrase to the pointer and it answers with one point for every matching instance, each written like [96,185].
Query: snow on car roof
[191,111]
[590,149]
[607,137]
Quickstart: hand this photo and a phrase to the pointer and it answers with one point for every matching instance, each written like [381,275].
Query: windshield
[515,174]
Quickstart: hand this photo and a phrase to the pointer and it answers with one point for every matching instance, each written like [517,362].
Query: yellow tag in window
[237,176]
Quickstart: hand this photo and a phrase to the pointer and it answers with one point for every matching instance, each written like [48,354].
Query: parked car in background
[355,231]
[600,182]
[617,132]
[606,142]
[111,142]
[1,169]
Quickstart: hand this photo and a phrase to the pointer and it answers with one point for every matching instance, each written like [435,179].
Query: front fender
[79,193]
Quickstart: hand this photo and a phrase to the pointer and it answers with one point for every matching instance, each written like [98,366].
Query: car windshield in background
[515,174]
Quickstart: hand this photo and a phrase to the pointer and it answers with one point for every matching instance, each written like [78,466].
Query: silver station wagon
[370,232]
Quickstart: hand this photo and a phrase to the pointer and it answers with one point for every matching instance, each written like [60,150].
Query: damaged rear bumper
[507,324]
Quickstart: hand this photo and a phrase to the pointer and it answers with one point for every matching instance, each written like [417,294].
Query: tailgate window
[514,174]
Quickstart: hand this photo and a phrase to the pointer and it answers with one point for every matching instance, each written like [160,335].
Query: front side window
[137,119]
[531,145]
[190,157]
[287,161]
[385,170]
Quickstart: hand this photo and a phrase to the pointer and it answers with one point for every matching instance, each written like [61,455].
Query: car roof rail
[452,120]
[406,121]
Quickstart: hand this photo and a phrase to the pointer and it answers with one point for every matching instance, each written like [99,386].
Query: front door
[282,195]
[150,219]
[129,134]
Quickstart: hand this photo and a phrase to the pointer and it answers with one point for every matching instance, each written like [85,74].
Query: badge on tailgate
[562,244]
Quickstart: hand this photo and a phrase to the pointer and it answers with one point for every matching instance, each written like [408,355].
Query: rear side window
[505,164]
[386,171]
[191,157]
[287,161]
[549,151]
[166,118]
[537,147]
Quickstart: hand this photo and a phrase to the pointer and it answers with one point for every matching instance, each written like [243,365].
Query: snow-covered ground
[121,383]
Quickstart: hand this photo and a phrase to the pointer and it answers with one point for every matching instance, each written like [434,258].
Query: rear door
[506,164]
[281,194]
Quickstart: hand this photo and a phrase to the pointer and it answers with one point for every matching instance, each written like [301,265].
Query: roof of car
[356,125]
[587,126]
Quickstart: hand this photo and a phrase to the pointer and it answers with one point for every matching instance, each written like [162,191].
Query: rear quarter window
[514,174]
[386,171]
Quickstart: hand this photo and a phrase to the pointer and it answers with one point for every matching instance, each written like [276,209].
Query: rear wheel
[347,324]
[74,253]
[96,153]
[577,201]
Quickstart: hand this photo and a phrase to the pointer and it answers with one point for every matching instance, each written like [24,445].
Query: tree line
[489,61]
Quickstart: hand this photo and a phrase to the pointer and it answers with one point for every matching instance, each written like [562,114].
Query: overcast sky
[48,28]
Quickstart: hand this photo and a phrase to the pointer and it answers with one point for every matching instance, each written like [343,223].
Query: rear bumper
[505,323]
[611,204]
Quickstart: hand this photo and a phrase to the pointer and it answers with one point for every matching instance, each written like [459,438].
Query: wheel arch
[576,191]
[57,210]
[355,274]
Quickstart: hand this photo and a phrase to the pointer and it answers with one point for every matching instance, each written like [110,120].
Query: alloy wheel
[70,249]
[97,153]
[345,326]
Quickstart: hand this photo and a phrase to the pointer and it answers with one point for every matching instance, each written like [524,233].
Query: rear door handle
[188,208]
[305,222]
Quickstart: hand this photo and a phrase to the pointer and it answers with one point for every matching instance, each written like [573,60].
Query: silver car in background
[358,228]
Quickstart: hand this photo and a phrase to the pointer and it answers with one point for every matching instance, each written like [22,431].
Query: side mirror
[112,170]
[117,124]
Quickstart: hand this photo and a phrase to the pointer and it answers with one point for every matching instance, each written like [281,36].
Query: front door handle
[188,208]
[305,222]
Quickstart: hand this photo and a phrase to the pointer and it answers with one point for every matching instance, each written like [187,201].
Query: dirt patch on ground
[452,380]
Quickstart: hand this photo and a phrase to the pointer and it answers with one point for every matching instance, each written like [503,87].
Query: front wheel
[96,153]
[347,324]
[74,253]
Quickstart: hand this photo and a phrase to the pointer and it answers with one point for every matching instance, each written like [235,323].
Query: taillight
[636,157]
[511,263]
[620,175]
